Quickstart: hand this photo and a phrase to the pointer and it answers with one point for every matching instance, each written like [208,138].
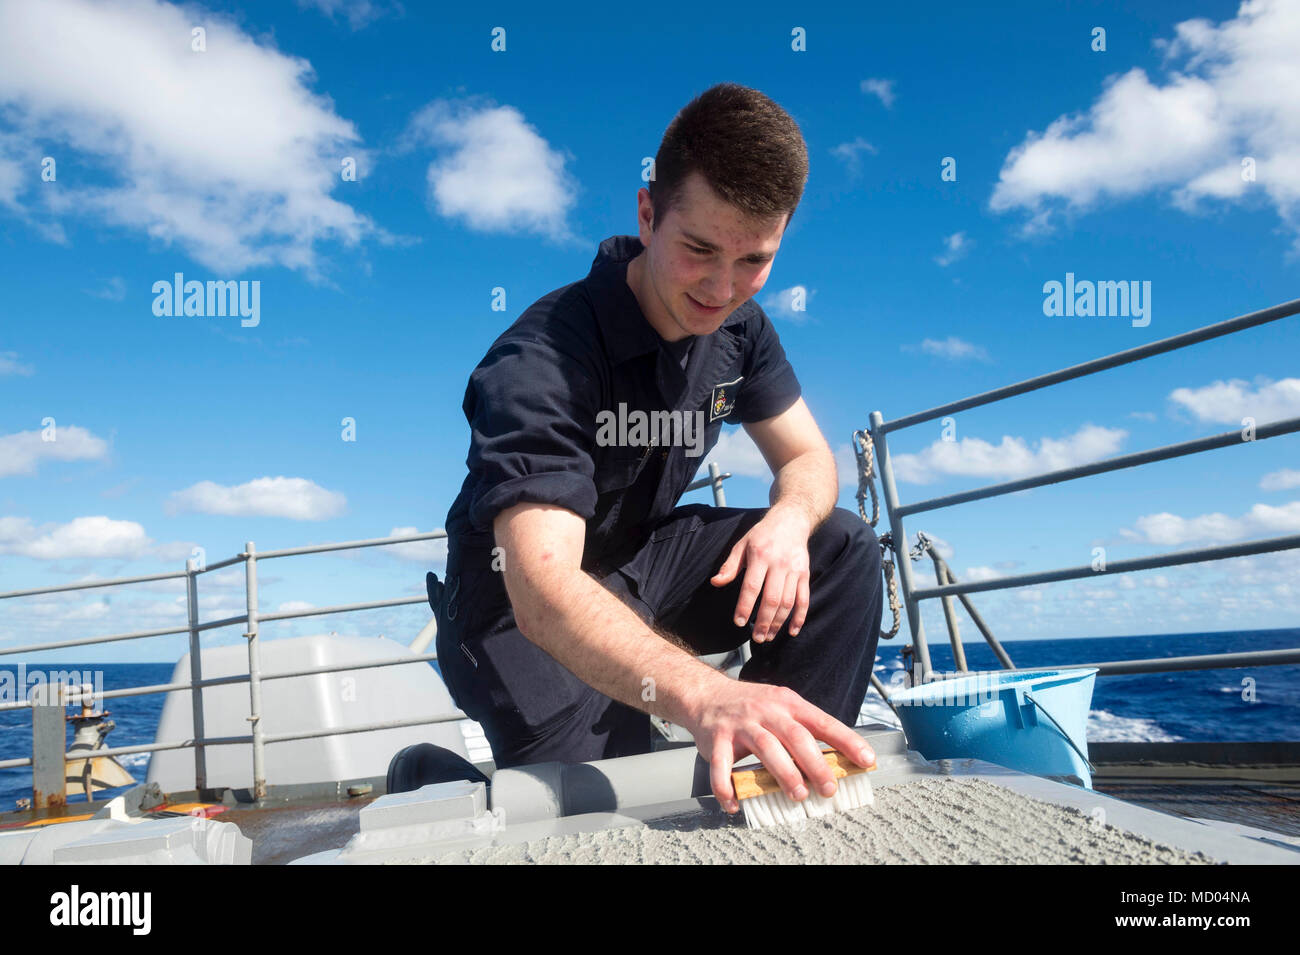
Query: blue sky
[480,169]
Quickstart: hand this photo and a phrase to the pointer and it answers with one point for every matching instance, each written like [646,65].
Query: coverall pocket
[614,474]
[660,566]
[529,690]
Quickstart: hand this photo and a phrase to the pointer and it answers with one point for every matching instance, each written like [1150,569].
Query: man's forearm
[808,485]
[602,642]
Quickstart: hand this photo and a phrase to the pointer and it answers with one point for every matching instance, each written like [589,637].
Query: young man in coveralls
[578,594]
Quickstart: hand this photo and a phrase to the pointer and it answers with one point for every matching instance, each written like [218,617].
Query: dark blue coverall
[532,405]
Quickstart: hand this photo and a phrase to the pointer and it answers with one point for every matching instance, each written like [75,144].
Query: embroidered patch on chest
[723,400]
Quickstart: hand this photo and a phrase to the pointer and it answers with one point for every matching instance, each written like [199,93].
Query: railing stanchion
[949,614]
[196,676]
[902,553]
[983,627]
[49,744]
[715,479]
[254,673]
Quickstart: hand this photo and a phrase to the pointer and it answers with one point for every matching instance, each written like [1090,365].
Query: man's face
[703,260]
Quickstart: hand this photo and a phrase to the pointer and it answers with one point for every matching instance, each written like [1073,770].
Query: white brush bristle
[775,809]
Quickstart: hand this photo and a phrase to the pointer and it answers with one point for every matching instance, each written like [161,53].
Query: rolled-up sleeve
[532,419]
[770,386]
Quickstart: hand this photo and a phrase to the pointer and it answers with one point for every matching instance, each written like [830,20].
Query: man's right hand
[601,641]
[778,726]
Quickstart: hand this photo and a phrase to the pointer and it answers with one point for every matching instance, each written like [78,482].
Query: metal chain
[922,546]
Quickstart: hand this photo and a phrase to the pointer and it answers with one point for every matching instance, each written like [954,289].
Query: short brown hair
[747,148]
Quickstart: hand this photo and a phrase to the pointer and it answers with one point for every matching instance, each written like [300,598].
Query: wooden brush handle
[757,781]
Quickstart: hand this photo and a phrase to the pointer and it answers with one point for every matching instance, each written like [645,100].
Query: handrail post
[49,745]
[254,672]
[949,614]
[715,479]
[902,553]
[983,627]
[196,677]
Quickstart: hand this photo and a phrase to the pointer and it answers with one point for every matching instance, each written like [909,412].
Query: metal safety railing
[48,767]
[947,586]
[49,759]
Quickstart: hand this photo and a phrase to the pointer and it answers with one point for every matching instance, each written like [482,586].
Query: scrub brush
[766,805]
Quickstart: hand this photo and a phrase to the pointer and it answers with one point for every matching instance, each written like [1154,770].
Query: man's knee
[845,538]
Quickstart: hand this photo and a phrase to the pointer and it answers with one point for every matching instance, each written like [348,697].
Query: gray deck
[949,811]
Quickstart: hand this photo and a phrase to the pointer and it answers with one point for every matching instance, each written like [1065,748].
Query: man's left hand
[774,554]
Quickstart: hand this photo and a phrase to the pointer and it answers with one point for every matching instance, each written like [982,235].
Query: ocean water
[1247,703]
[1254,703]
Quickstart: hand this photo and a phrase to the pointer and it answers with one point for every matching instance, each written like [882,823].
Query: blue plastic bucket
[1031,720]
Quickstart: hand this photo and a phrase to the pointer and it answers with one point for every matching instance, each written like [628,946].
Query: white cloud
[955,247]
[882,89]
[1184,135]
[10,365]
[23,452]
[952,348]
[114,290]
[851,153]
[1282,480]
[736,453]
[289,606]
[975,574]
[120,489]
[497,172]
[94,610]
[791,304]
[1170,530]
[12,173]
[358,13]
[81,537]
[1228,402]
[226,153]
[296,498]
[1244,593]
[419,552]
[942,546]
[1011,458]
[178,551]
[59,616]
